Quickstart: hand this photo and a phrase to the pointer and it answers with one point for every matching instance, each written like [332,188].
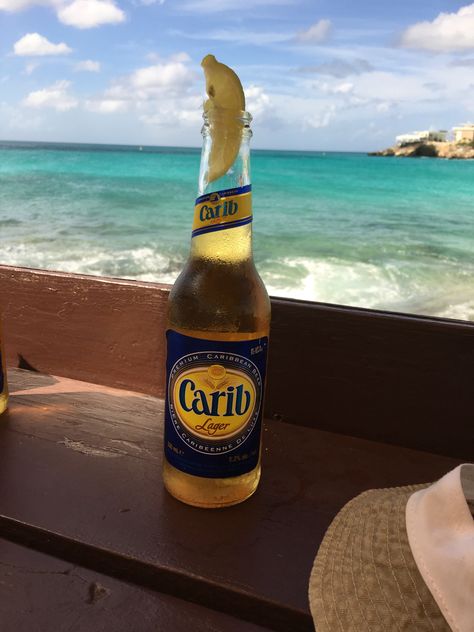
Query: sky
[318,74]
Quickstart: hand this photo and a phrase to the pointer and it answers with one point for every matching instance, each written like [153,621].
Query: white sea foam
[461,311]
[144,264]
[332,281]
[389,286]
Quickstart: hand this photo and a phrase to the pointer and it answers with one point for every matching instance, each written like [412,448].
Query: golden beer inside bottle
[218,296]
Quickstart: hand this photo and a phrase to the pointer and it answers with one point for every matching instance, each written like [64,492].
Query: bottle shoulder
[223,296]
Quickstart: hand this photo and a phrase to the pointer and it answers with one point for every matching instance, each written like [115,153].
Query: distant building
[421,137]
[464,133]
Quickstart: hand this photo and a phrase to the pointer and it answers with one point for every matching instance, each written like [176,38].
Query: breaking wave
[417,289]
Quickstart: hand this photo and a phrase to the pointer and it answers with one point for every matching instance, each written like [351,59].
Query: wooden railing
[400,379]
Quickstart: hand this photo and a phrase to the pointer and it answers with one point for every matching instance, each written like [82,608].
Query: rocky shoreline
[449,151]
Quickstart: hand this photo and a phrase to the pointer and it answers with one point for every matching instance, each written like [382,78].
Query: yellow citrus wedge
[226,100]
[223,86]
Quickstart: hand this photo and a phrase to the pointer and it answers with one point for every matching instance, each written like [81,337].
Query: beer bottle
[218,326]
[3,378]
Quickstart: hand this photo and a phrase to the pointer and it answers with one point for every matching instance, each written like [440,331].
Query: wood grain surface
[40,593]
[80,479]
[400,379]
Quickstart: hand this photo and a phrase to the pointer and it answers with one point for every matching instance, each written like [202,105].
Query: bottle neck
[222,228]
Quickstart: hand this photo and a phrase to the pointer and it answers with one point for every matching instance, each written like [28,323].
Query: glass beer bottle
[3,378]
[217,338]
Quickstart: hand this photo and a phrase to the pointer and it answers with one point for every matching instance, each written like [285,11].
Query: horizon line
[198,148]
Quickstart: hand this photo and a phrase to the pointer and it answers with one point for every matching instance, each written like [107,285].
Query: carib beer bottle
[3,378]
[218,320]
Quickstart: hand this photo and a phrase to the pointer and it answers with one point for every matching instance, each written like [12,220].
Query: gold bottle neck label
[221,210]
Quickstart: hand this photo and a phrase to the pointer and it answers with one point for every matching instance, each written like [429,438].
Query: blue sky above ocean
[318,74]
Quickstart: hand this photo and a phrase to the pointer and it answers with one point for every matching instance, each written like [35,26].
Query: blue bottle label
[214,404]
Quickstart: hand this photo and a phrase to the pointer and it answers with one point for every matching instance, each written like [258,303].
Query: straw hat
[399,559]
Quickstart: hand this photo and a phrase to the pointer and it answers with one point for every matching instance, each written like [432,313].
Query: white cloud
[13,119]
[160,102]
[87,14]
[218,6]
[257,101]
[182,56]
[178,57]
[322,118]
[344,88]
[31,67]
[106,106]
[238,36]
[385,107]
[55,96]
[317,33]
[449,32]
[18,5]
[181,111]
[35,45]
[391,86]
[165,79]
[87,66]
[161,93]
[265,113]
[172,76]
[83,14]
[331,87]
[340,68]
[467,63]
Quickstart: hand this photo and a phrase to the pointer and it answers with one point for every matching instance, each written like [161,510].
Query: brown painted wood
[106,331]
[399,379]
[80,476]
[42,593]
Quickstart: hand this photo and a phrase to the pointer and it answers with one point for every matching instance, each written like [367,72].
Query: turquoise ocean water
[388,233]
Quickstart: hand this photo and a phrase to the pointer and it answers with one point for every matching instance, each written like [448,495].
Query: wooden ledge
[80,479]
[40,592]
[405,380]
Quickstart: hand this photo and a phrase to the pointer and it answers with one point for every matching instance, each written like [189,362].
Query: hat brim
[364,577]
